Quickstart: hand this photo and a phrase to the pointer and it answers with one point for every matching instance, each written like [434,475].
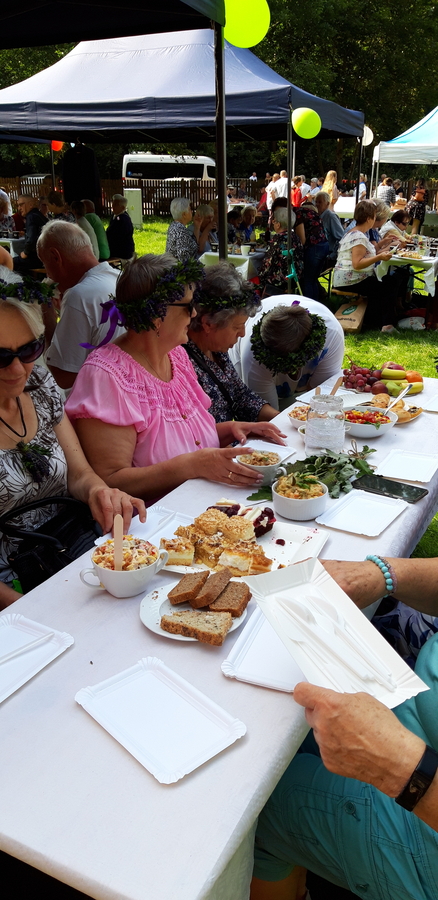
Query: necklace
[138,352]
[23,423]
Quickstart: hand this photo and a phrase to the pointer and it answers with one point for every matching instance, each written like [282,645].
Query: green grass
[412,349]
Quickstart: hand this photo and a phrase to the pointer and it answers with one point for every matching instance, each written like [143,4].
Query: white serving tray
[273,590]
[406,465]
[169,726]
[432,404]
[362,513]
[17,631]
[156,604]
[260,657]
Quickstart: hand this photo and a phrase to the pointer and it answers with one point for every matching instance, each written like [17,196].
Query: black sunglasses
[26,354]
[188,306]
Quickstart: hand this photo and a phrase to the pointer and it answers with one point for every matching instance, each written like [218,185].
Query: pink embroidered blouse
[169,418]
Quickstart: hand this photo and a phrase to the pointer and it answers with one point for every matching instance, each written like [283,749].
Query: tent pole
[221,149]
[290,143]
[372,178]
[52,167]
[360,167]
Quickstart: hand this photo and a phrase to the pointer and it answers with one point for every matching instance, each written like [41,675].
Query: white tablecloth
[75,804]
[427,267]
[249,266]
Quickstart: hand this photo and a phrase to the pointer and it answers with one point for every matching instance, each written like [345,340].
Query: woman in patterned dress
[40,455]
[276,267]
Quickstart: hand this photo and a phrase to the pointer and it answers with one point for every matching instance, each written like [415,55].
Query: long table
[76,805]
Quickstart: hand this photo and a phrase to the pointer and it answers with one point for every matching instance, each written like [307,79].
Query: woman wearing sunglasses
[40,455]
[139,412]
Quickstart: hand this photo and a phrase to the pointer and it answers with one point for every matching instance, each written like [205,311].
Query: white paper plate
[17,631]
[362,513]
[260,657]
[155,516]
[156,604]
[408,466]
[431,405]
[169,726]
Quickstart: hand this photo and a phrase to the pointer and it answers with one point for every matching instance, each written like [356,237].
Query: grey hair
[89,206]
[222,280]
[26,197]
[205,210]
[280,216]
[313,181]
[121,199]
[31,313]
[140,276]
[323,194]
[69,239]
[285,328]
[383,211]
[179,206]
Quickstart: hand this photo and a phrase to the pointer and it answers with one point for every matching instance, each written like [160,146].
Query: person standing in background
[97,224]
[120,231]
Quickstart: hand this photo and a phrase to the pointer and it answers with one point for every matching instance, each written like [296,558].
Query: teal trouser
[349,832]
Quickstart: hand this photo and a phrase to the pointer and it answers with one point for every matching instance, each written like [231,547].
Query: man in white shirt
[305,188]
[281,184]
[271,191]
[288,331]
[85,284]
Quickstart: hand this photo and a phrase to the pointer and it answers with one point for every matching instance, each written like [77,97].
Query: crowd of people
[169,371]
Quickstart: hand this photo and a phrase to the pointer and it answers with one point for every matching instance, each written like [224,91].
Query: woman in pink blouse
[136,405]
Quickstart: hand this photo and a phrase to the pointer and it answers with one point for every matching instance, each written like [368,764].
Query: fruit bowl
[370,429]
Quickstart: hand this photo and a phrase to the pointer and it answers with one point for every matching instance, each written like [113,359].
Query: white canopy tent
[416,146]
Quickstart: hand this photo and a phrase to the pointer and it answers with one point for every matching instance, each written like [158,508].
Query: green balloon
[306,122]
[246,22]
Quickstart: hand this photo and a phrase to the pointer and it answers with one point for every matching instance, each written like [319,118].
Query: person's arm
[7,595]
[85,485]
[361,738]
[267,413]
[65,356]
[6,258]
[110,450]
[299,231]
[364,582]
[203,237]
[331,362]
[362,260]
[240,431]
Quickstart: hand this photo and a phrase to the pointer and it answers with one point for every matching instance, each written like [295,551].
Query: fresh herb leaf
[263,493]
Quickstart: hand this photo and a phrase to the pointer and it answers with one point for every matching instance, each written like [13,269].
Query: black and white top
[180,243]
[16,485]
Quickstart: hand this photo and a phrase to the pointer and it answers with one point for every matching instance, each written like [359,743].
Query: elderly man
[331,224]
[85,284]
[120,231]
[314,187]
[305,188]
[34,223]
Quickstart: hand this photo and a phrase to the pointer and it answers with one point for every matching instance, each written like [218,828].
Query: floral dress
[246,404]
[16,485]
[275,268]
[180,243]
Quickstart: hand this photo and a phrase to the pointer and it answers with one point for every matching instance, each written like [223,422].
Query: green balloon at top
[246,22]
[306,122]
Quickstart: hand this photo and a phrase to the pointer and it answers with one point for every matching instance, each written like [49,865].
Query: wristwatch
[420,780]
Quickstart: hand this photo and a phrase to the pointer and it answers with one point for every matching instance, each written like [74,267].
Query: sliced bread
[234,599]
[211,589]
[187,588]
[208,627]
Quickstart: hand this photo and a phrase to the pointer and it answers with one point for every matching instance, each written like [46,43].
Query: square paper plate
[17,631]
[362,513]
[161,719]
[432,404]
[260,657]
[408,466]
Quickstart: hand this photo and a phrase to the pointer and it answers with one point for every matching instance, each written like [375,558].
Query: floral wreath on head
[140,315]
[206,302]
[27,291]
[296,359]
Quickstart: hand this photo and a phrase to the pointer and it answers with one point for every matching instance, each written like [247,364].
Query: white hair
[324,195]
[69,239]
[31,313]
[205,210]
[280,216]
[179,206]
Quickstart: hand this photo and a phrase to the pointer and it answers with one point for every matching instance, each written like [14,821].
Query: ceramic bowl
[299,510]
[371,431]
[269,472]
[295,421]
[124,584]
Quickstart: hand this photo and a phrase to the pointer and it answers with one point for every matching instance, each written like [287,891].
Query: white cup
[124,584]
[245,248]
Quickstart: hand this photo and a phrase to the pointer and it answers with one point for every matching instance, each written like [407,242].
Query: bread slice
[234,599]
[207,627]
[187,588]
[211,589]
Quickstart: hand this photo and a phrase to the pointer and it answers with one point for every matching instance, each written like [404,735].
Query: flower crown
[27,291]
[207,302]
[170,288]
[289,362]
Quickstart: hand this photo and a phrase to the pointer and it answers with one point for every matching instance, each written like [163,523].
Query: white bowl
[297,422]
[127,583]
[269,472]
[299,510]
[371,431]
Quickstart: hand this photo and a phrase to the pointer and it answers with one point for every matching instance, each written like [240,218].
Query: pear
[396,387]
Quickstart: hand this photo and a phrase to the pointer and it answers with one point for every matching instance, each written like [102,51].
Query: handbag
[54,544]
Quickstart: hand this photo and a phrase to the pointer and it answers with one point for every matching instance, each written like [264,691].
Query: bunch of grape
[359,378]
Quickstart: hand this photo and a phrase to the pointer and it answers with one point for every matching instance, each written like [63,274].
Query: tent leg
[221,149]
[52,168]
[290,164]
[360,167]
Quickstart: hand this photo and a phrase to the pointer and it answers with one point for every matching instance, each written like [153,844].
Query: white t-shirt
[80,318]
[262,381]
[305,189]
[271,193]
[281,187]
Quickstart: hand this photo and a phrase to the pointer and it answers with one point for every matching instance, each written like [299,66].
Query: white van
[152,165]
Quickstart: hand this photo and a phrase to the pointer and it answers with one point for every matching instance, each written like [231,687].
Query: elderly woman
[246,229]
[396,227]
[294,346]
[207,232]
[182,244]
[140,414]
[40,455]
[223,305]
[309,228]
[276,267]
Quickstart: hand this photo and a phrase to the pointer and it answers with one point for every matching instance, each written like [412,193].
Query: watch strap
[420,780]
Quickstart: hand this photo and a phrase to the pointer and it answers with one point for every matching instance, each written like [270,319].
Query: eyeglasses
[188,306]
[26,354]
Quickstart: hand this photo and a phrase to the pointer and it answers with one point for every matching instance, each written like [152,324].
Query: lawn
[413,349]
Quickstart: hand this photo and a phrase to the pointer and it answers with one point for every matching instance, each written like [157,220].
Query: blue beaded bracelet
[387,572]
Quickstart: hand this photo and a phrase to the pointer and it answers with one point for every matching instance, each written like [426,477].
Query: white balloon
[368,136]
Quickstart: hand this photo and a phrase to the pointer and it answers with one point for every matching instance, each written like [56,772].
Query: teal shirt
[97,225]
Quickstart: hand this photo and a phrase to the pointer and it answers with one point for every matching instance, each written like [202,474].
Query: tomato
[412,377]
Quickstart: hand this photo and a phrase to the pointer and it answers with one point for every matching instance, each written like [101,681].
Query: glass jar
[325,425]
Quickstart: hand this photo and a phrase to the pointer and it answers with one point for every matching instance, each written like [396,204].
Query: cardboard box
[351,315]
